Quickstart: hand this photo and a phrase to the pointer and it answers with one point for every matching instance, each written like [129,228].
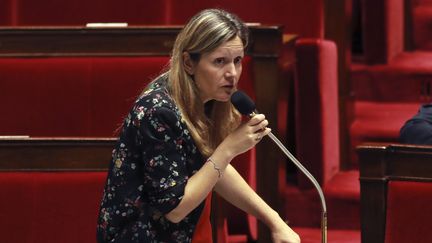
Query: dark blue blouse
[418,129]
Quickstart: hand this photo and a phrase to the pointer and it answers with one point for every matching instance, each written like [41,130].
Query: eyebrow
[233,53]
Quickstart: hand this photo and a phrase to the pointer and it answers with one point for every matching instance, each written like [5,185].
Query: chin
[223,99]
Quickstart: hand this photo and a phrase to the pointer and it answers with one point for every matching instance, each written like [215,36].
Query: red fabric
[305,18]
[50,206]
[378,122]
[317,111]
[342,195]
[383,29]
[402,80]
[302,207]
[421,2]
[421,31]
[313,235]
[239,222]
[51,12]
[203,231]
[71,96]
[386,96]
[300,17]
[6,13]
[245,82]
[422,19]
[409,208]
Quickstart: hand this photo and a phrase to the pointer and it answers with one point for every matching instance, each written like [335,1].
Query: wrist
[223,154]
[275,222]
[215,167]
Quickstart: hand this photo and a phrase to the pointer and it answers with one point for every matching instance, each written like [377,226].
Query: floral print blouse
[151,163]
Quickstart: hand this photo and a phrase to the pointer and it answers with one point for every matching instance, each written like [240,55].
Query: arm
[203,181]
[233,188]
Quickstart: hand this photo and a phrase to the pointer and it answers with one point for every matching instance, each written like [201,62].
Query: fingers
[258,123]
[261,126]
[259,135]
[256,119]
[256,128]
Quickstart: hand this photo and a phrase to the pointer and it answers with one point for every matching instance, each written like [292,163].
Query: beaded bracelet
[215,167]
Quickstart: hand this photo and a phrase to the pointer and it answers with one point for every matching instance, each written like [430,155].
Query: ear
[188,64]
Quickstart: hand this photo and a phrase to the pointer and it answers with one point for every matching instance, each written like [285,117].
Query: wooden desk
[55,154]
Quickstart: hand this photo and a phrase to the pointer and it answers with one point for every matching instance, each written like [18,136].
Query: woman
[178,140]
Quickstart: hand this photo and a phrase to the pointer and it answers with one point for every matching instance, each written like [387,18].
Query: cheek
[207,78]
[239,72]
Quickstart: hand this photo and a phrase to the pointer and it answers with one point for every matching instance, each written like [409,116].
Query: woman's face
[217,72]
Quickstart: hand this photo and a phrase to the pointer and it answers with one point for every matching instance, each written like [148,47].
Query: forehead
[233,47]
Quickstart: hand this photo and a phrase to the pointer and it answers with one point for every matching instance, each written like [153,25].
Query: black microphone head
[242,103]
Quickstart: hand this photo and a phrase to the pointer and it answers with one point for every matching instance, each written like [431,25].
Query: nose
[231,70]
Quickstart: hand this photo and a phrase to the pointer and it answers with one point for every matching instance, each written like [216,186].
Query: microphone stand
[246,107]
[314,182]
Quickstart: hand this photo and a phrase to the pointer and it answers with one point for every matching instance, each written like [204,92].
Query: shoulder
[156,100]
[156,95]
[155,107]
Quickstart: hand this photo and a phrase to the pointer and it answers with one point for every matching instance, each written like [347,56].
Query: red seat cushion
[317,122]
[313,235]
[378,122]
[80,96]
[409,208]
[50,206]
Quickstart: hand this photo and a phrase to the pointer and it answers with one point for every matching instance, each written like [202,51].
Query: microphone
[246,106]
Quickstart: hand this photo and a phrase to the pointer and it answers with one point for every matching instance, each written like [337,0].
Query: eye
[238,60]
[219,61]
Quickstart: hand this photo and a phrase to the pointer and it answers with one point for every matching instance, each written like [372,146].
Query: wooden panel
[124,41]
[55,154]
[380,163]
[79,41]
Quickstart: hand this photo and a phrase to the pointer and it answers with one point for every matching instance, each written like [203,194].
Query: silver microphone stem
[314,182]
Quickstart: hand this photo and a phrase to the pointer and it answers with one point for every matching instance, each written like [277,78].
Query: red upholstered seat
[386,96]
[317,108]
[49,13]
[317,137]
[378,122]
[409,207]
[313,235]
[50,206]
[383,29]
[422,18]
[71,96]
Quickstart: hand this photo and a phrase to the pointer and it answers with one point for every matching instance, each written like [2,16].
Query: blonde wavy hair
[205,31]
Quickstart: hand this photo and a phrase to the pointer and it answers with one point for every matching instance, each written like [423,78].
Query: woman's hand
[247,135]
[284,234]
